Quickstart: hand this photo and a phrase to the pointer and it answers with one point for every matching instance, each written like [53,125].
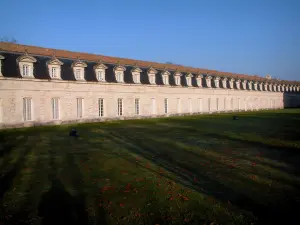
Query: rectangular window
[177,80]
[153,106]
[190,105]
[100,75]
[225,104]
[79,107]
[238,103]
[178,105]
[165,80]
[217,102]
[166,105]
[78,74]
[120,107]
[25,70]
[101,107]
[232,104]
[200,102]
[53,72]
[137,106]
[209,104]
[27,108]
[152,79]
[55,109]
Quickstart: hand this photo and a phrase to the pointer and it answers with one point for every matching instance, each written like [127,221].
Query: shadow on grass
[7,179]
[140,146]
[58,206]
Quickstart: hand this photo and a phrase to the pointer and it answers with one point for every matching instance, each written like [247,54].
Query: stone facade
[154,100]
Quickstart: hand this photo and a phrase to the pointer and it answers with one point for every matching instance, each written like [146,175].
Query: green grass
[181,170]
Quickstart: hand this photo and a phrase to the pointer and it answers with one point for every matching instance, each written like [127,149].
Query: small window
[200,102]
[165,80]
[153,106]
[178,105]
[188,80]
[54,72]
[78,74]
[166,105]
[55,109]
[101,107]
[208,104]
[119,77]
[152,79]
[190,106]
[27,109]
[25,70]
[137,106]
[79,107]
[177,80]
[238,103]
[224,103]
[100,76]
[217,102]
[120,107]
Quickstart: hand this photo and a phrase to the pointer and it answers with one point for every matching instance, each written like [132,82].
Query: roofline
[60,53]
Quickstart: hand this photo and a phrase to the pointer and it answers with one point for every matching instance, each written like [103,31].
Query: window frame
[27,114]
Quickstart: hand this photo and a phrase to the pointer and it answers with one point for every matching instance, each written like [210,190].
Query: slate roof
[11,51]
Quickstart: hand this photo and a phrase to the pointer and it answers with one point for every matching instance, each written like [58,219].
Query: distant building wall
[180,100]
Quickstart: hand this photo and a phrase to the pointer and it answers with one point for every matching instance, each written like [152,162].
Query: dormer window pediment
[100,71]
[136,74]
[119,73]
[1,58]
[25,63]
[78,69]
[54,68]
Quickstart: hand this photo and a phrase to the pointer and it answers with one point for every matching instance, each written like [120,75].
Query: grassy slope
[184,170]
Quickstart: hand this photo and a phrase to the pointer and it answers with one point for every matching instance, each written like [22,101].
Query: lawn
[206,169]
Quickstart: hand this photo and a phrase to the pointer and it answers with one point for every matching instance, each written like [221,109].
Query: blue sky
[251,37]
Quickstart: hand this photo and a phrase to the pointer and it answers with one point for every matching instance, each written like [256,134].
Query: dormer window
[78,69]
[119,73]
[231,83]
[54,68]
[208,81]
[136,75]
[1,58]
[151,75]
[224,82]
[165,77]
[189,79]
[216,80]
[199,80]
[238,84]
[25,63]
[100,71]
[177,77]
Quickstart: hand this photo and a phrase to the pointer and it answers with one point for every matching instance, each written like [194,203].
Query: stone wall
[12,92]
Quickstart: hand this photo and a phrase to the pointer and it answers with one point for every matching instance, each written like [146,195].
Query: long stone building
[48,86]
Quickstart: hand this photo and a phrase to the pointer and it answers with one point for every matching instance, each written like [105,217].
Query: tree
[8,39]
